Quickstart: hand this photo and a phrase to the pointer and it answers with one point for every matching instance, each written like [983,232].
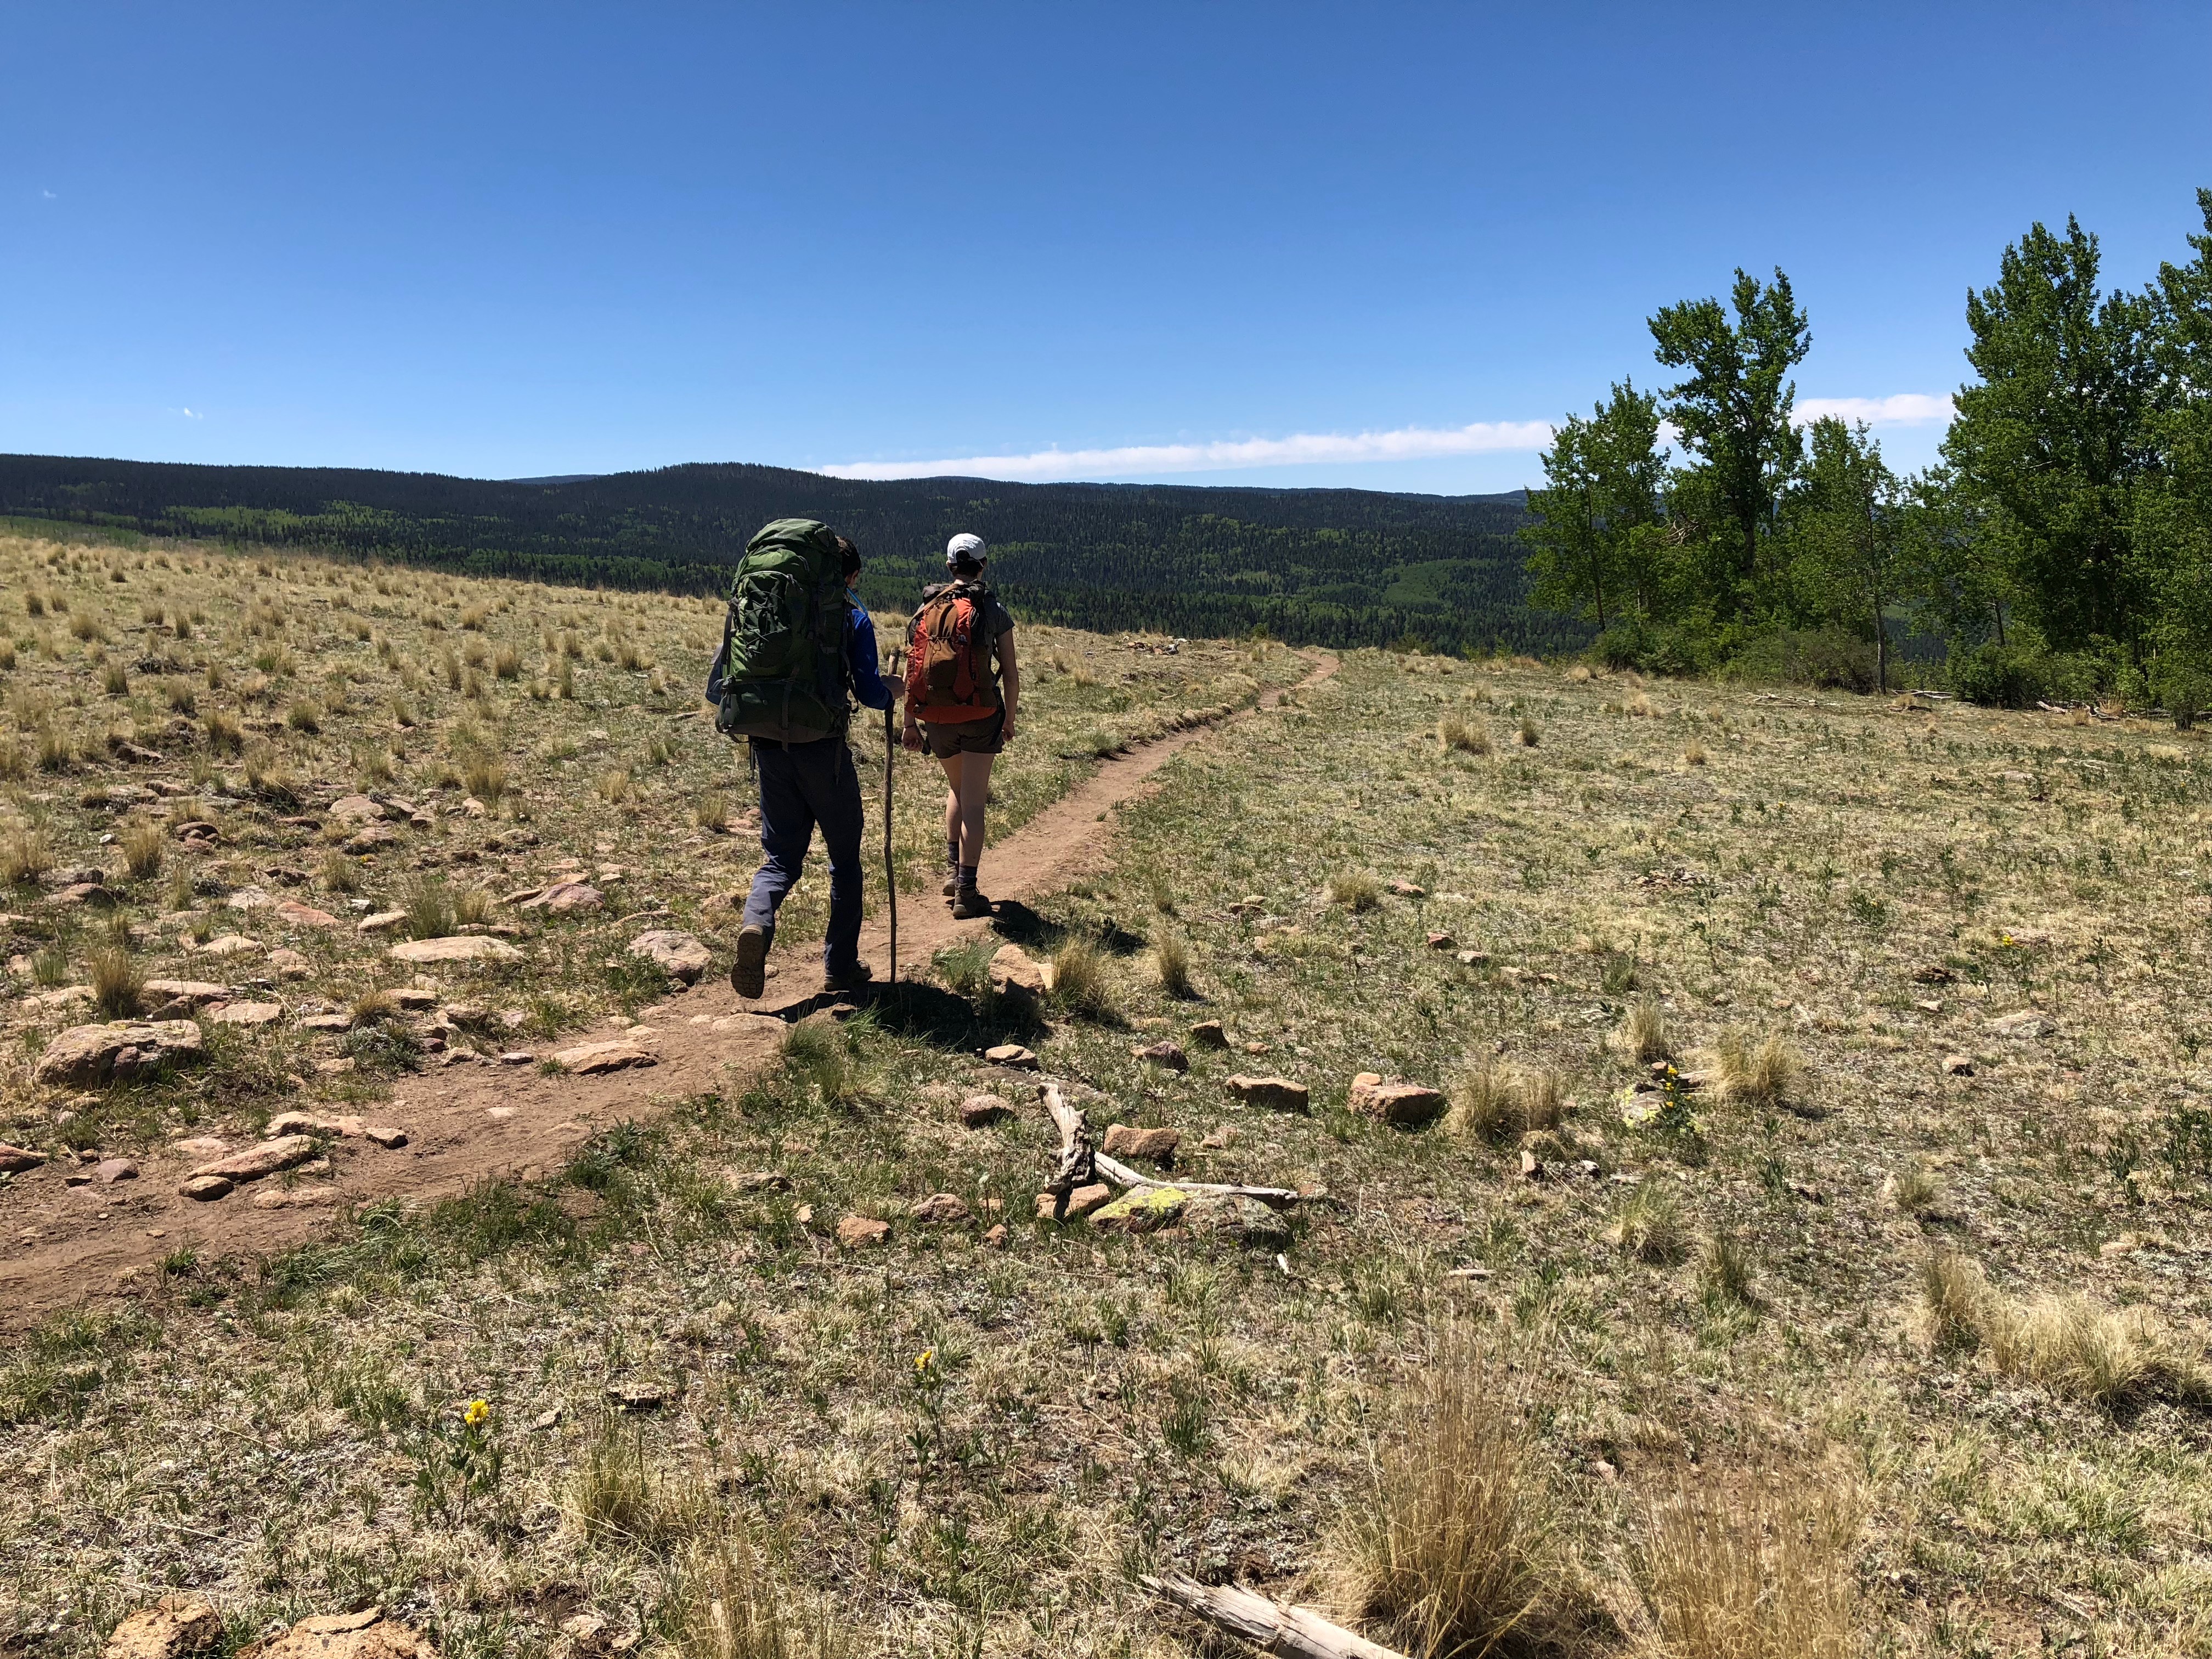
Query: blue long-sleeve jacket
[860,656]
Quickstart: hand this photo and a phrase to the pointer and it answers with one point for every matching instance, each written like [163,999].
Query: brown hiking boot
[852,979]
[968,903]
[951,884]
[748,973]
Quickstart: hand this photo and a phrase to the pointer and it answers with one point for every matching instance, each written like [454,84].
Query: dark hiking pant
[803,786]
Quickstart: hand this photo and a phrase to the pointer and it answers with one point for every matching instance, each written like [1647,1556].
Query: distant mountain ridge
[1345,567]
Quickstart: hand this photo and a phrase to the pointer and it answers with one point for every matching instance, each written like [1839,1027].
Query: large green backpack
[781,672]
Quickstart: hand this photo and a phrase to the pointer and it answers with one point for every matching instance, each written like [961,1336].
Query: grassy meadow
[1876,1324]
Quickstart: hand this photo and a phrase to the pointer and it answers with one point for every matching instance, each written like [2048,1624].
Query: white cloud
[1900,408]
[49,194]
[193,414]
[1411,443]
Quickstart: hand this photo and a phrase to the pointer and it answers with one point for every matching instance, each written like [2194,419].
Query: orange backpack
[948,675]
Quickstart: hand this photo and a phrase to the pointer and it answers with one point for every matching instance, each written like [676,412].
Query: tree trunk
[1294,1633]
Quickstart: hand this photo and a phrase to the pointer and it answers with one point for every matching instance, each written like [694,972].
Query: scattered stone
[637,1396]
[205,1189]
[384,1135]
[1532,1167]
[327,1023]
[84,892]
[1169,1054]
[355,809]
[1141,1210]
[1405,889]
[413,997]
[296,914]
[1011,1053]
[1408,1105]
[517,1057]
[1255,1048]
[87,1056]
[200,1146]
[171,1627]
[592,1059]
[1080,1202]
[373,839]
[1235,1216]
[939,1207]
[996,1238]
[296,1198]
[978,1111]
[338,1067]
[1472,958]
[1934,973]
[250,898]
[307,1123]
[289,963]
[1015,978]
[1279,1093]
[267,1159]
[458,947]
[247,1013]
[756,1180]
[199,831]
[365,1635]
[678,955]
[1958,1065]
[563,897]
[112,1169]
[14,1160]
[1209,1034]
[1155,1145]
[2027,1022]
[136,754]
[856,1231]
[230,944]
[1442,942]
[1220,1139]
[383,921]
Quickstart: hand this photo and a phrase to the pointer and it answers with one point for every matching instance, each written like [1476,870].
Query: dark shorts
[950,738]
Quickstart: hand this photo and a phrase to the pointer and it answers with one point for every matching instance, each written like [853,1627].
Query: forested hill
[1344,567]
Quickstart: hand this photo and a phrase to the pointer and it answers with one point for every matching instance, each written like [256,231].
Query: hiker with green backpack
[962,689]
[795,642]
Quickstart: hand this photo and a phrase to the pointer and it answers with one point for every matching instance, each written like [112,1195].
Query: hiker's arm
[1010,682]
[867,667]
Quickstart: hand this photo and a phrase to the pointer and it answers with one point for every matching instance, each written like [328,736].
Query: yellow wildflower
[476,1411]
[922,1360]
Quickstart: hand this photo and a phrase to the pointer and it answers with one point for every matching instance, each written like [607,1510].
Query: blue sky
[1210,242]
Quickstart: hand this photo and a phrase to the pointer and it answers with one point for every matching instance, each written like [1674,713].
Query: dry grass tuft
[1528,736]
[731,1609]
[486,776]
[1171,961]
[1497,1105]
[1468,737]
[1355,890]
[1080,979]
[1455,1550]
[1756,1569]
[713,813]
[614,1499]
[1642,1036]
[118,983]
[1649,1227]
[1724,1270]
[1762,1074]
[144,847]
[24,857]
[2070,1344]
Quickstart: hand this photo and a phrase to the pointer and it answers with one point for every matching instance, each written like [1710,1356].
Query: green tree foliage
[1590,534]
[1732,412]
[2173,525]
[1846,523]
[2053,441]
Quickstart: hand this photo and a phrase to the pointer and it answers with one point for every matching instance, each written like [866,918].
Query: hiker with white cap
[963,688]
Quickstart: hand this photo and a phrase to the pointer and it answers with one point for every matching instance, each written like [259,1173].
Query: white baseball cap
[965,549]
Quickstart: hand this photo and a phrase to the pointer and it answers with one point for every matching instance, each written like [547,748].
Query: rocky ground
[1791,1110]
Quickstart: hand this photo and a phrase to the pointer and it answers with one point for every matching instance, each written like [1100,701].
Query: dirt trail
[61,1246]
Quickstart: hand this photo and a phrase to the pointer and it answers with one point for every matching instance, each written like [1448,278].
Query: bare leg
[974,793]
[952,770]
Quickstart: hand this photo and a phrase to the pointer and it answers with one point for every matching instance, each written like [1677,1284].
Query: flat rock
[1442,942]
[1405,889]
[247,1013]
[171,1627]
[205,1189]
[373,839]
[112,1169]
[563,897]
[2027,1022]
[591,1058]
[858,1232]
[1141,1210]
[326,1022]
[679,954]
[1408,1105]
[978,1111]
[1013,1055]
[1016,977]
[941,1207]
[1279,1093]
[83,892]
[458,947]
[296,914]
[381,922]
[268,1157]
[1958,1065]
[1169,1054]
[1157,1145]
[296,1198]
[199,1146]
[1234,1216]
[192,992]
[1209,1034]
[355,809]
[86,1056]
[1080,1202]
[366,1635]
[384,1135]
[230,944]
[14,1160]
[250,898]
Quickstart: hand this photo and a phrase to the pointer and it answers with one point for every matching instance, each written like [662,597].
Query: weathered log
[1278,1198]
[1078,1164]
[1275,1627]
